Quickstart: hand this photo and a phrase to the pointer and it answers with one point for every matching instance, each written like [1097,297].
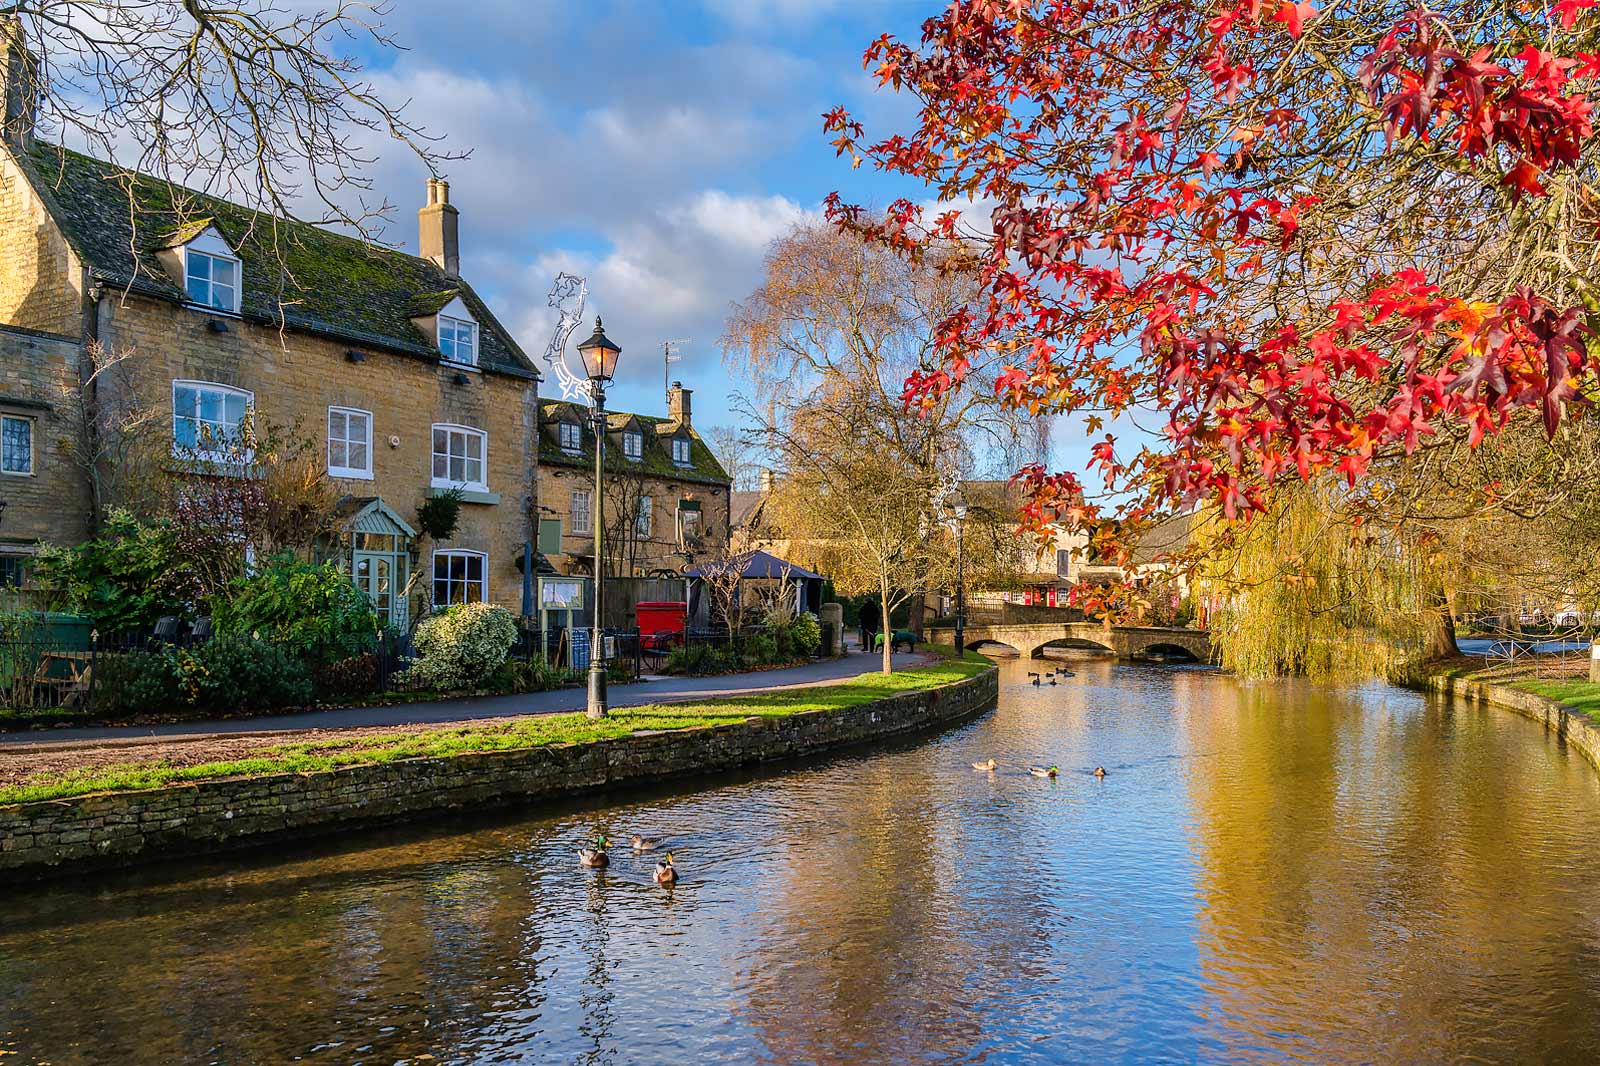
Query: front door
[382,576]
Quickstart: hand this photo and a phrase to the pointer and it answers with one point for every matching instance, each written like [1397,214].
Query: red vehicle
[661,624]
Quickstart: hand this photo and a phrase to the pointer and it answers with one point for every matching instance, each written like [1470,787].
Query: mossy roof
[656,461]
[298,275]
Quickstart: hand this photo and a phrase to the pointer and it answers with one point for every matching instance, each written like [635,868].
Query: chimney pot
[769,481]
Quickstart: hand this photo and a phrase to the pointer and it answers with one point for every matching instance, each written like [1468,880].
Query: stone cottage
[391,361]
[667,496]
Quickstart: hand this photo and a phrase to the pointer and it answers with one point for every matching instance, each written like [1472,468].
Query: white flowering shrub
[462,645]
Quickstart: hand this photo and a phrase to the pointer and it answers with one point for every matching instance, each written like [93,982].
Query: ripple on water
[1270,873]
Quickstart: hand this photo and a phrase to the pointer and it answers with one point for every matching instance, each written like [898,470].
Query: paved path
[459,710]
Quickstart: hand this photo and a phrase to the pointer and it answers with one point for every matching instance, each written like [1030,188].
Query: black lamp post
[958,508]
[600,366]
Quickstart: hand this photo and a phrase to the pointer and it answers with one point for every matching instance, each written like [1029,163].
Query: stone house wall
[51,503]
[41,281]
[557,483]
[58,837]
[296,377]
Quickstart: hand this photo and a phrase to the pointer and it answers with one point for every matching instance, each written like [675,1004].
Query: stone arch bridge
[1127,642]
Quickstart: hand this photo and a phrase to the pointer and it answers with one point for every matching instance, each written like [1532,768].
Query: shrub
[462,646]
[125,579]
[806,633]
[695,660]
[760,649]
[139,682]
[355,676]
[236,675]
[314,610]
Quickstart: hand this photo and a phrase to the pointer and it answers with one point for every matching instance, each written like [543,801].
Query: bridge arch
[1167,650]
[990,646]
[1072,644]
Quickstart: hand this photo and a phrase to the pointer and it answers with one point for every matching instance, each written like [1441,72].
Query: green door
[382,576]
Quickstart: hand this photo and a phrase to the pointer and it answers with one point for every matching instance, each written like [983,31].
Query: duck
[596,856]
[1043,771]
[666,873]
[989,765]
[1052,681]
[1035,680]
[640,843]
[1099,771]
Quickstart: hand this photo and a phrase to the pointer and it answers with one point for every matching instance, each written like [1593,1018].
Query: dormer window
[458,340]
[571,437]
[680,451]
[211,280]
[633,445]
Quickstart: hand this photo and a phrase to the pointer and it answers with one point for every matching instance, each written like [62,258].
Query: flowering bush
[461,646]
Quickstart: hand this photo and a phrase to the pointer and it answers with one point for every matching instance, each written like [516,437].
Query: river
[1270,873]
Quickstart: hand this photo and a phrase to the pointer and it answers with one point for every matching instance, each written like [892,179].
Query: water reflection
[1271,873]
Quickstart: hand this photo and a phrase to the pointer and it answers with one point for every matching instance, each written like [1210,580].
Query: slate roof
[318,281]
[656,461]
[765,566]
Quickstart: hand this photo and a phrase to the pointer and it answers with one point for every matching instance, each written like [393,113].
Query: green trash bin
[60,640]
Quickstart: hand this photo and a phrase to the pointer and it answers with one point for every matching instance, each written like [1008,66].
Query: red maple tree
[1313,239]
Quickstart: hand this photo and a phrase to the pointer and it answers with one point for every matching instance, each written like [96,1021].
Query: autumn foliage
[1314,240]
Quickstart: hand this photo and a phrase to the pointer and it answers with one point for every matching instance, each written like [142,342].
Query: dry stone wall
[58,837]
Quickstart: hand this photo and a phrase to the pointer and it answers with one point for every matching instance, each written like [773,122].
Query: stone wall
[58,837]
[41,281]
[296,377]
[51,503]
[1573,727]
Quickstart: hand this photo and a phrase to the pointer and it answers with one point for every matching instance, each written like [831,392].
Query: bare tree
[739,454]
[116,445]
[255,101]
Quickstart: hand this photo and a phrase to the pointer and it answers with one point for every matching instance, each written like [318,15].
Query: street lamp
[599,366]
[958,508]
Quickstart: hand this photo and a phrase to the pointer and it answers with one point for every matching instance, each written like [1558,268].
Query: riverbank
[136,812]
[1570,705]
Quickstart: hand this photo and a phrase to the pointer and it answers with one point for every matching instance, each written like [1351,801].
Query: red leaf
[1292,14]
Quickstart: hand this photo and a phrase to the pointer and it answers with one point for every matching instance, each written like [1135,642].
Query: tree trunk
[888,634]
[1442,628]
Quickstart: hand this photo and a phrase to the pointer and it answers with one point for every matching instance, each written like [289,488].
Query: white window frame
[446,482]
[453,329]
[458,553]
[687,448]
[638,450]
[345,470]
[582,517]
[199,451]
[212,248]
[33,446]
[644,523]
[576,432]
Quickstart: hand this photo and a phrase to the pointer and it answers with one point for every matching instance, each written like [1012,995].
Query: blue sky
[656,148]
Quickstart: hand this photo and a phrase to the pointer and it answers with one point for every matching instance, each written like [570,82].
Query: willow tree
[831,334]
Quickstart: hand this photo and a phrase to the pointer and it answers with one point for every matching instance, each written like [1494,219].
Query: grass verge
[524,733]
[1577,691]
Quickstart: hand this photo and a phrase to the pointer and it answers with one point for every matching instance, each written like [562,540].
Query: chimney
[678,403]
[769,481]
[19,81]
[438,238]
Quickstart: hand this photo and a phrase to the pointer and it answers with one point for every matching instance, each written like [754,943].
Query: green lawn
[1581,696]
[527,733]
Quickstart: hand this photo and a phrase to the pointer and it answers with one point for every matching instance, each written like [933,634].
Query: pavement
[664,690]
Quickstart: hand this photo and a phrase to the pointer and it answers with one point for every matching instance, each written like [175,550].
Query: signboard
[560,594]
[580,648]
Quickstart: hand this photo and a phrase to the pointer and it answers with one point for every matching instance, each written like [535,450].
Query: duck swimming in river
[595,857]
[1099,771]
[640,843]
[666,873]
[1043,771]
[989,765]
